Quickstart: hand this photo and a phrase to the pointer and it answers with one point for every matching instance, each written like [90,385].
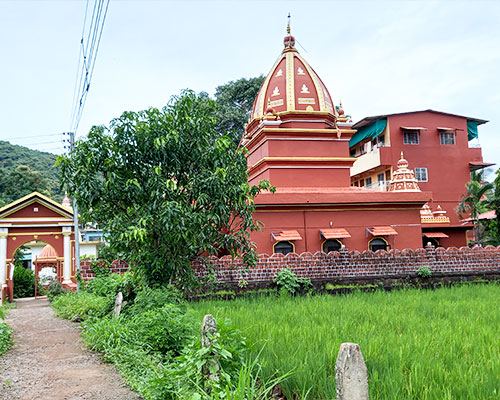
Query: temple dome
[48,253]
[291,85]
[403,179]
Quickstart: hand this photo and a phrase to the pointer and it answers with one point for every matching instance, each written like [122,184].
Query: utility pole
[75,221]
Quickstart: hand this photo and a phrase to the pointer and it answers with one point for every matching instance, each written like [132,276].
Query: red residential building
[298,140]
[440,147]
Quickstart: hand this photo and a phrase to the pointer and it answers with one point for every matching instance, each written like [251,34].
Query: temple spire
[289,40]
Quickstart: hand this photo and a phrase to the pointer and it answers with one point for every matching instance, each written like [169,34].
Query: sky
[377,57]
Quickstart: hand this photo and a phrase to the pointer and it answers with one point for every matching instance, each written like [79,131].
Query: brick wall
[117,266]
[353,264]
[341,265]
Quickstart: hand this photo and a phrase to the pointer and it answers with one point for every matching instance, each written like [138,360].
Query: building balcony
[376,157]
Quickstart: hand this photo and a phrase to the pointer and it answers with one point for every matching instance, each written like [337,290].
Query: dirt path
[48,360]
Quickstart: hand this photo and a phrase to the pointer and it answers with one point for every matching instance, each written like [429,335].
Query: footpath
[49,361]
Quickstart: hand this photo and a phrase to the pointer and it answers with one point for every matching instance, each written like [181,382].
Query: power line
[37,136]
[89,50]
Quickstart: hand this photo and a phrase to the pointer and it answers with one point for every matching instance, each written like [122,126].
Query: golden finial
[402,155]
[288,26]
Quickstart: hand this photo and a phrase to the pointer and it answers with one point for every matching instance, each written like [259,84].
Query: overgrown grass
[79,307]
[442,344]
[5,330]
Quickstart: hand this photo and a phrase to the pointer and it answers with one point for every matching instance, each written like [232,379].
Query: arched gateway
[37,217]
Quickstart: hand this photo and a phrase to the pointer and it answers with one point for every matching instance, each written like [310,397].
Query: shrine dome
[48,253]
[403,179]
[291,85]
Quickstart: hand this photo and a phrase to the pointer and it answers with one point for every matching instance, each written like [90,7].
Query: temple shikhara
[339,185]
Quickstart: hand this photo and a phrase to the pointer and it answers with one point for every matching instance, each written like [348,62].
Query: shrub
[288,282]
[80,306]
[55,289]
[150,299]
[24,282]
[164,329]
[424,271]
[5,337]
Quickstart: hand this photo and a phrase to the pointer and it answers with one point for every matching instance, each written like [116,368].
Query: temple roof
[48,253]
[403,179]
[291,85]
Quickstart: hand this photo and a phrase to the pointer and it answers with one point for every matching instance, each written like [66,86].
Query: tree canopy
[18,182]
[474,202]
[234,102]
[166,186]
[23,171]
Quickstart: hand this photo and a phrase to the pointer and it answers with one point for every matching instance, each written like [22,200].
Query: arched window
[283,247]
[332,245]
[378,244]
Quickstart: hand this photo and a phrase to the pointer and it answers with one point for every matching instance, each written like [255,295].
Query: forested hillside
[23,171]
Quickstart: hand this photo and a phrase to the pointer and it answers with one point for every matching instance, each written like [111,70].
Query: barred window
[410,136]
[421,174]
[447,137]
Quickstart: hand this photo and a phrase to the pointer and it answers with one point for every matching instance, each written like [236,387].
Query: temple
[299,141]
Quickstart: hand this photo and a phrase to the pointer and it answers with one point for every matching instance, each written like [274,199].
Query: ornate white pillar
[3,257]
[66,231]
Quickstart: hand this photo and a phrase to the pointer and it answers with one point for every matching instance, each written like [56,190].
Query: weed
[424,271]
[286,279]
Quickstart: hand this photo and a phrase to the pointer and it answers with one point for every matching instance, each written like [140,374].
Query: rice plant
[442,344]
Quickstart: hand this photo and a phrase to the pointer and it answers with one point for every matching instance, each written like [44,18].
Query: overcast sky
[378,57]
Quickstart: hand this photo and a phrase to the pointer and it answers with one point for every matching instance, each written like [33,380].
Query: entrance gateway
[36,217]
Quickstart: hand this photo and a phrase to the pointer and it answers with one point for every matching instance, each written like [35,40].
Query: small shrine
[403,179]
[47,259]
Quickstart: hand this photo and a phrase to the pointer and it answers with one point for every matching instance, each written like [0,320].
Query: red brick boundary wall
[353,264]
[87,273]
[343,265]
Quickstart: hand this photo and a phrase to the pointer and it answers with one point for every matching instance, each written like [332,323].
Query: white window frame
[406,136]
[418,174]
[445,136]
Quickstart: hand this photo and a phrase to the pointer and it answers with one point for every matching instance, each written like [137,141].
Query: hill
[23,171]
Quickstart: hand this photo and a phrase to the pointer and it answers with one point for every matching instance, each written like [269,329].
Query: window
[352,152]
[421,174]
[283,248]
[356,183]
[96,238]
[410,136]
[388,175]
[368,181]
[332,245]
[378,244]
[361,182]
[381,177]
[447,137]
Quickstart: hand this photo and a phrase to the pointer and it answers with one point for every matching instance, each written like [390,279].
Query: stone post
[118,304]
[208,338]
[351,374]
[66,231]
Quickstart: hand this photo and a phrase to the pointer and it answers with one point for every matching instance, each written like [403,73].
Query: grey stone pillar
[351,374]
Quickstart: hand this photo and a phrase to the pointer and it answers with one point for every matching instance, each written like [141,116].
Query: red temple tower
[298,140]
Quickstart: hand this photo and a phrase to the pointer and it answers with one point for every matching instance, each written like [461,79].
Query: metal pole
[75,223]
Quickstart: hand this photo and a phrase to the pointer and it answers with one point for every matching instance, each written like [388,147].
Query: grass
[442,344]
[5,330]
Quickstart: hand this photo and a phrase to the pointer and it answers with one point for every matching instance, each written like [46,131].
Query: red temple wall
[309,223]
